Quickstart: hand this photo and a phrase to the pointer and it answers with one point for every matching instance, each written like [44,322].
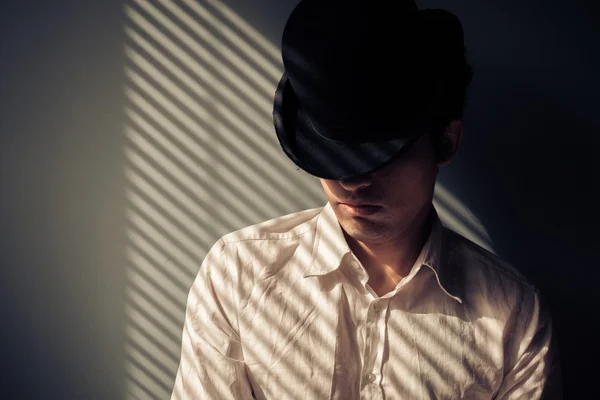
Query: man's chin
[363,230]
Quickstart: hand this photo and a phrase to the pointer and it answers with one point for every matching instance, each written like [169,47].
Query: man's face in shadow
[392,200]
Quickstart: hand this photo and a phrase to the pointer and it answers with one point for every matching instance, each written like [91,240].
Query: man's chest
[321,339]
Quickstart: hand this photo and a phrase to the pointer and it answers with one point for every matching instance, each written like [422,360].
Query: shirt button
[371,377]
[376,307]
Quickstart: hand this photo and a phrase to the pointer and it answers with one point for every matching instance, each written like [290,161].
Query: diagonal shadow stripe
[132,391]
[463,222]
[167,325]
[154,337]
[142,299]
[180,180]
[150,366]
[212,52]
[203,34]
[461,225]
[227,157]
[457,207]
[203,83]
[162,303]
[170,187]
[133,380]
[237,113]
[187,255]
[152,203]
[146,337]
[228,34]
[156,211]
[141,373]
[218,91]
[230,133]
[189,125]
[151,383]
[205,177]
[147,186]
[245,31]
[144,281]
[141,255]
[165,288]
[199,60]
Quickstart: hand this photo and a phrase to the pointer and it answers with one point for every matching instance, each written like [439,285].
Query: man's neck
[389,262]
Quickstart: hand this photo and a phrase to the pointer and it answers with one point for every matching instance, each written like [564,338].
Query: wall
[61,209]
[526,168]
[134,134]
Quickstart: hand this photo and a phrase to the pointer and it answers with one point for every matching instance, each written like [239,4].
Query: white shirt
[282,310]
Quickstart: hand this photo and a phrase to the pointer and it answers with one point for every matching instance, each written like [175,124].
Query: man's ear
[449,143]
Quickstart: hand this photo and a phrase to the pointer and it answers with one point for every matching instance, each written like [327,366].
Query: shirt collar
[330,247]
[435,256]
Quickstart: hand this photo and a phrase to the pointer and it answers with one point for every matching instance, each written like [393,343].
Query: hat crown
[365,65]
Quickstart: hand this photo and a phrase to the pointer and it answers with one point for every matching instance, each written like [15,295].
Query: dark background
[527,170]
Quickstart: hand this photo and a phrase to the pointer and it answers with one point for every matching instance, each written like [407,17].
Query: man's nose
[353,184]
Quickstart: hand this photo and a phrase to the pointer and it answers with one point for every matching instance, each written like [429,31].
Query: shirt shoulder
[286,226]
[276,248]
[464,252]
[488,284]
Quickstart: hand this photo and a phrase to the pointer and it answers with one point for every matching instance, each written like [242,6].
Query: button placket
[373,343]
[381,330]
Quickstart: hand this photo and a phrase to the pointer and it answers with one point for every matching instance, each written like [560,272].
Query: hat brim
[323,157]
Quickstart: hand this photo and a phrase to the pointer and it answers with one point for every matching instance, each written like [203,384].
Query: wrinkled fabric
[282,310]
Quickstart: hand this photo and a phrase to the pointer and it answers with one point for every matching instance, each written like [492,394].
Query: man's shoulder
[282,227]
[479,266]
[264,249]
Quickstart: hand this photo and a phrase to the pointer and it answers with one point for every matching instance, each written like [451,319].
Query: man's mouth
[359,209]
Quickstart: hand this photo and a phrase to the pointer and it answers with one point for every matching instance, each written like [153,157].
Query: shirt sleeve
[536,374]
[212,365]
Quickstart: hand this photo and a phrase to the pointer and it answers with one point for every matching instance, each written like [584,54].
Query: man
[370,296]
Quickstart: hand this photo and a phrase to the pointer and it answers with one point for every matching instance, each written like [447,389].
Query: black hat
[362,81]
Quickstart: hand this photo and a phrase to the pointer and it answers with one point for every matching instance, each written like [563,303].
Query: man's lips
[359,209]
